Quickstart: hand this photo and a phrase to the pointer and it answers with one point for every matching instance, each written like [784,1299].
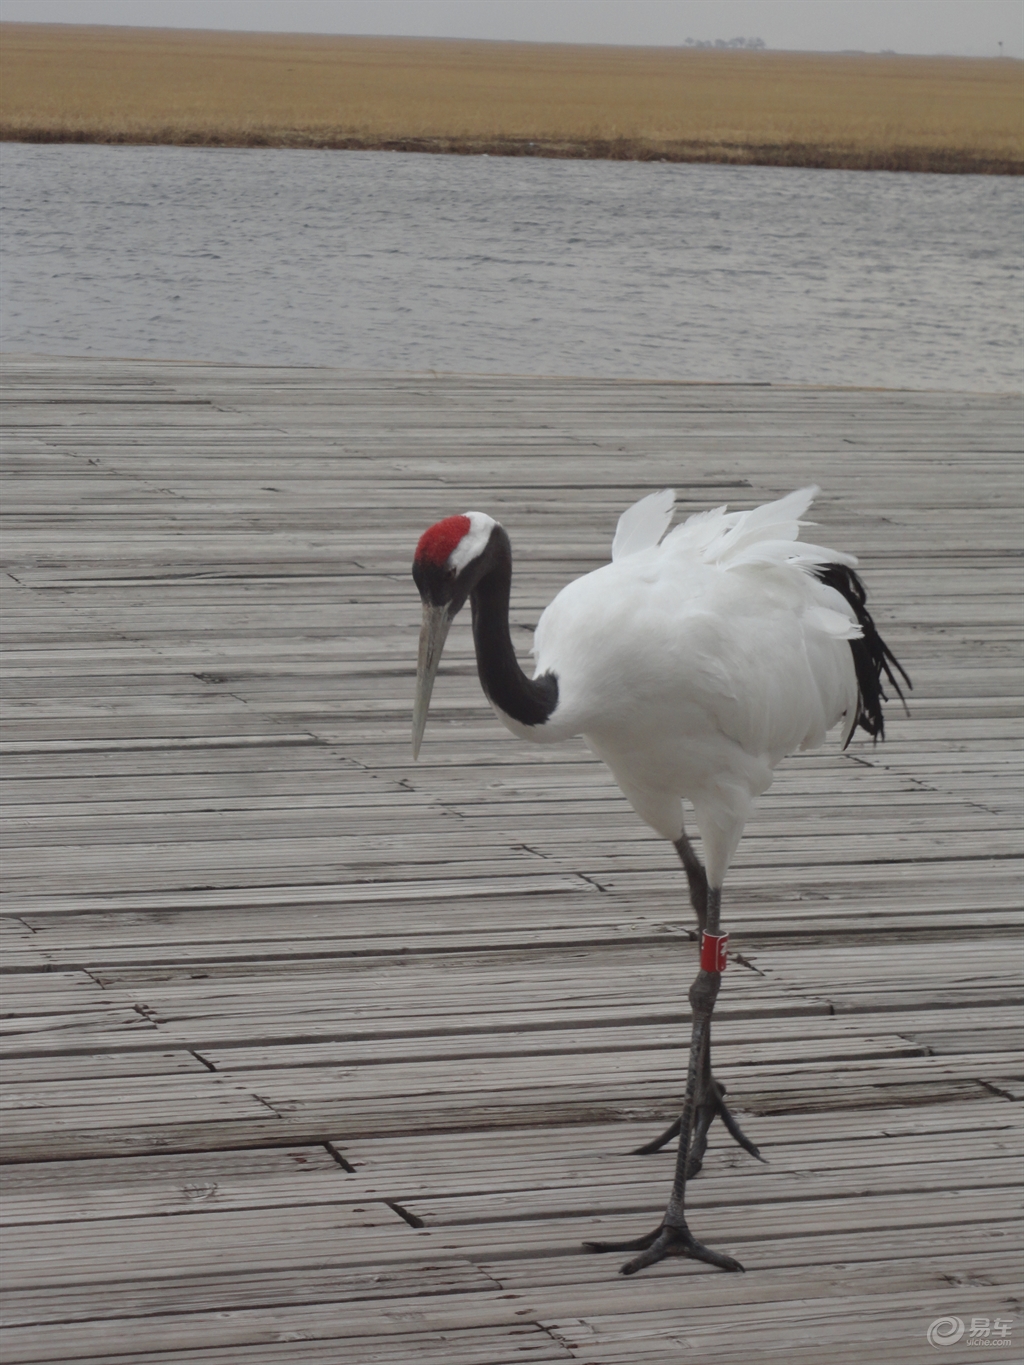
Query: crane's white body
[694,661]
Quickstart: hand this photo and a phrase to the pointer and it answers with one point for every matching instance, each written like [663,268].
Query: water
[377,261]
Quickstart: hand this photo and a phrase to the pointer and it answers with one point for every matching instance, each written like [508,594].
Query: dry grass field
[91,84]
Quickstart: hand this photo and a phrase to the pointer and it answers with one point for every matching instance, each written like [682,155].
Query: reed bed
[65,83]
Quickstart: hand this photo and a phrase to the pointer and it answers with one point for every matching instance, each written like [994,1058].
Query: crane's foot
[656,1144]
[708,1107]
[666,1240]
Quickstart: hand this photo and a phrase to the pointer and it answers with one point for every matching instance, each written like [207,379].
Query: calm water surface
[403,262]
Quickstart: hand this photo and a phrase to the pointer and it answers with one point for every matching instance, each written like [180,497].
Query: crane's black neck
[528,700]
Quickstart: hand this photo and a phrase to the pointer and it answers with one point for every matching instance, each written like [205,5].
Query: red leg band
[712,952]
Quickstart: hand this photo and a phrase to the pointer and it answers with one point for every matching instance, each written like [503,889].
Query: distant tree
[735,44]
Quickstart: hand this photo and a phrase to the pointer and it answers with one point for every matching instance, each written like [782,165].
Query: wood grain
[311,1053]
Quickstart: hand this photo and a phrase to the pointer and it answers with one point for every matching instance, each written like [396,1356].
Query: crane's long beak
[434,632]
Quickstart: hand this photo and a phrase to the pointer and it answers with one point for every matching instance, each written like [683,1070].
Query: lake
[387,261]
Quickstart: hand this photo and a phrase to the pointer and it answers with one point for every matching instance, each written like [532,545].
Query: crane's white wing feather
[696,659]
[794,553]
[765,535]
[641,526]
[778,521]
[701,530]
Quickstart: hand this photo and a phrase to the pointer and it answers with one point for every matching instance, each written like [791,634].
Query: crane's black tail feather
[872,657]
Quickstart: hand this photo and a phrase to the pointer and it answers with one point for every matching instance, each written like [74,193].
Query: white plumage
[691,664]
[694,661]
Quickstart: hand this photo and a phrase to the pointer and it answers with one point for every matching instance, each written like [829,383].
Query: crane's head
[451,558]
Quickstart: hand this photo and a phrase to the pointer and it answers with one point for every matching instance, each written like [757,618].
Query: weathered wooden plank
[605,1313]
[247,1242]
[227,860]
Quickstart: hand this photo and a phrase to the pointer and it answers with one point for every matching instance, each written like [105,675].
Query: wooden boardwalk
[313,1055]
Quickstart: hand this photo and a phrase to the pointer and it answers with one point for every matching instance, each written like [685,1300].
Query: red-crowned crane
[691,664]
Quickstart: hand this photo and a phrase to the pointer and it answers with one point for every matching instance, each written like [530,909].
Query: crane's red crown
[438,541]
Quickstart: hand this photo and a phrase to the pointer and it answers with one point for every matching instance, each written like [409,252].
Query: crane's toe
[666,1240]
[635,1244]
[736,1132]
[708,1107]
[656,1144]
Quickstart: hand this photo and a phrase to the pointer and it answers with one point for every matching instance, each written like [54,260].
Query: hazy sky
[964,27]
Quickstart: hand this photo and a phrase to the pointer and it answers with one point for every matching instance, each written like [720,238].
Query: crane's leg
[696,879]
[672,1237]
[711,1094]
